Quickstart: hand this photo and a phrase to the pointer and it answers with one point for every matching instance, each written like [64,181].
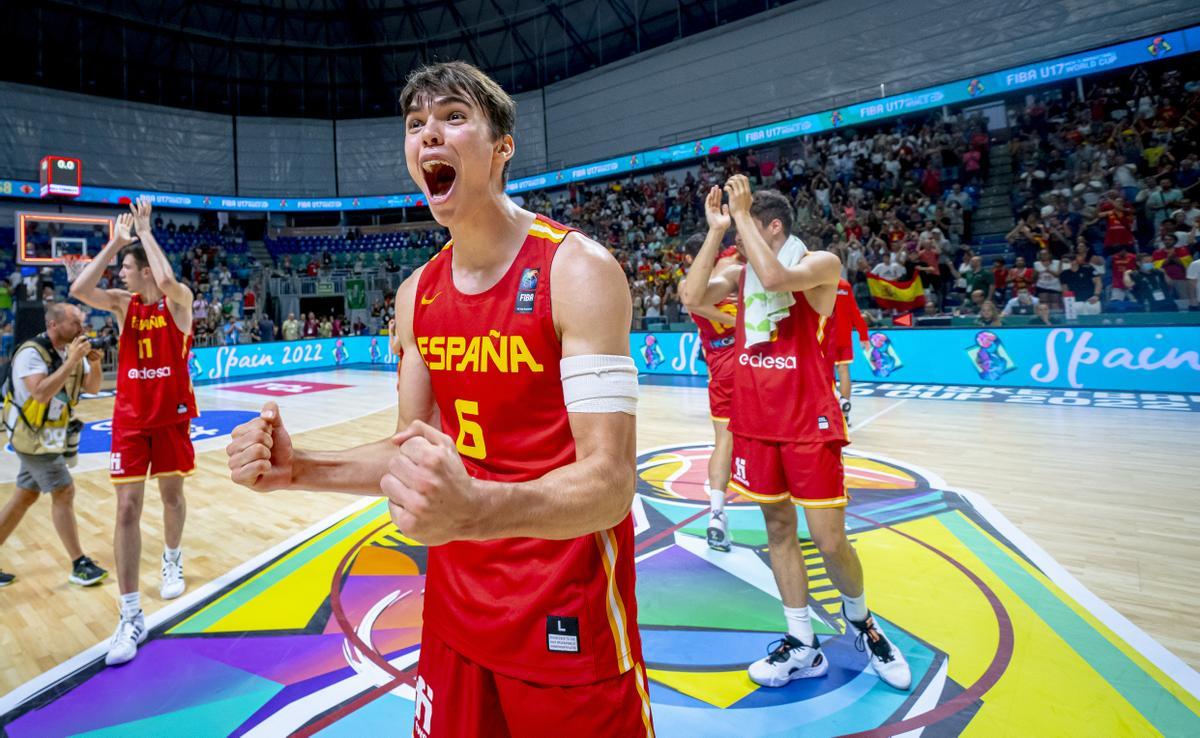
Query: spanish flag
[909,295]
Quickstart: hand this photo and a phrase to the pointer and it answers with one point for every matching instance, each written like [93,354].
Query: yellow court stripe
[1029,699]
[1187,698]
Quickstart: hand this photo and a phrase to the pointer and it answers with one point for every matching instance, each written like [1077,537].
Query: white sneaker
[718,536]
[886,660]
[172,577]
[124,644]
[789,659]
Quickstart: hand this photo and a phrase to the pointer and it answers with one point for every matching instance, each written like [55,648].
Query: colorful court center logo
[881,355]
[322,635]
[989,356]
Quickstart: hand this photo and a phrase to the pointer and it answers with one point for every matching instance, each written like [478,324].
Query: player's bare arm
[707,282]
[816,274]
[85,287]
[435,501]
[710,312]
[261,455]
[179,296]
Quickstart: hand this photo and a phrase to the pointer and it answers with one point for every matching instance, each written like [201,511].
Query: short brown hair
[769,205]
[460,78]
[139,255]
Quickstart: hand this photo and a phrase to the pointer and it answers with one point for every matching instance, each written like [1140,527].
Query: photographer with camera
[49,372]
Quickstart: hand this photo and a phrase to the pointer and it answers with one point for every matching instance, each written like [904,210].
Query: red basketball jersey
[783,389]
[717,337]
[846,318]
[154,387]
[549,612]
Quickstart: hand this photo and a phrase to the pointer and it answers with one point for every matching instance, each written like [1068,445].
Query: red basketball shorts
[843,354]
[139,454]
[457,698]
[808,474]
[720,383]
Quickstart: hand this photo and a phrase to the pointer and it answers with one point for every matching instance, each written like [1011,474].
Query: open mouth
[439,179]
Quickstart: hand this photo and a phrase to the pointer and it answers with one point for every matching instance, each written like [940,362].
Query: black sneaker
[86,573]
[6,579]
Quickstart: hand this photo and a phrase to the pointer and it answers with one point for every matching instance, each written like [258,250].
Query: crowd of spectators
[1105,192]
[1104,202]
[889,201]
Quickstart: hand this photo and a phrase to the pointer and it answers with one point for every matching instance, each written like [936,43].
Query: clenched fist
[260,456]
[430,495]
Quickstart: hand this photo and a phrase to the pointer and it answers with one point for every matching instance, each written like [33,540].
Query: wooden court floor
[1109,493]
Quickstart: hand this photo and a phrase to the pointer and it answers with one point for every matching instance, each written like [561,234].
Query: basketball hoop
[74,264]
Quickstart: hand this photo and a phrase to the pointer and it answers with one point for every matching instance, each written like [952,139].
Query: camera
[102,342]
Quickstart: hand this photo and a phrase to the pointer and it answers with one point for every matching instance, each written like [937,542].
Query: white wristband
[599,383]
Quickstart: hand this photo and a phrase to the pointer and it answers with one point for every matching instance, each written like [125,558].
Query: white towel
[764,310]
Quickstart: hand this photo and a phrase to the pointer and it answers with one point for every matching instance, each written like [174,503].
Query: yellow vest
[30,430]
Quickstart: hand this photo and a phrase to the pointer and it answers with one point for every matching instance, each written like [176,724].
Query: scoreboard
[61,176]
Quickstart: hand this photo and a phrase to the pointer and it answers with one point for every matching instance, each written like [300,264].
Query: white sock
[798,624]
[173,554]
[131,604]
[716,498]
[856,607]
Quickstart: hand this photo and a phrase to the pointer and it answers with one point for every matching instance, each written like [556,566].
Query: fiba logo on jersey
[423,708]
[526,290]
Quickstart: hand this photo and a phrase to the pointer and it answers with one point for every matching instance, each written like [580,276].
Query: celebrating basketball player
[716,324]
[787,428]
[515,343]
[153,411]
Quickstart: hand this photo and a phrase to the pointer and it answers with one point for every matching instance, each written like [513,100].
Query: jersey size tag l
[562,634]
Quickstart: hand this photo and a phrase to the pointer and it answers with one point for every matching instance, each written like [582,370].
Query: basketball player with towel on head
[716,326]
[787,426]
[515,458]
[151,425]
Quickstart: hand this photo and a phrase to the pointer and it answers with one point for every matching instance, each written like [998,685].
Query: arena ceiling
[328,58]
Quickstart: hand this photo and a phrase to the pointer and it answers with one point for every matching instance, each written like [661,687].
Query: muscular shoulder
[825,264]
[580,258]
[588,291]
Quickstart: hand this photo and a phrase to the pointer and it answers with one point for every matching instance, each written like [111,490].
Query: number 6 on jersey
[470,433]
